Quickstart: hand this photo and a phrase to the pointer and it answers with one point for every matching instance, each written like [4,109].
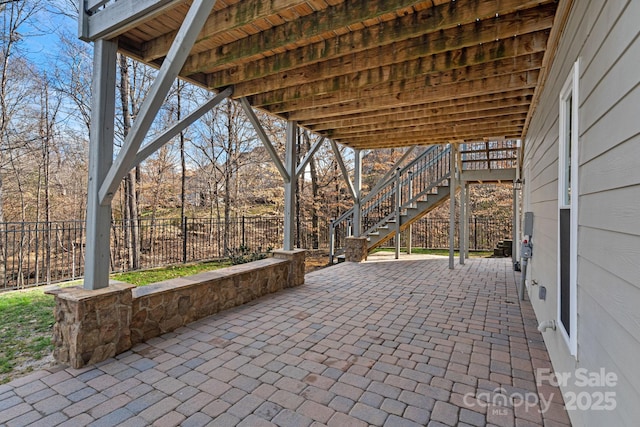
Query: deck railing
[407,185]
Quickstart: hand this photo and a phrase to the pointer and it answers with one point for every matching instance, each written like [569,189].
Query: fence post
[184,239]
[398,203]
[409,197]
[475,233]
[332,241]
[244,238]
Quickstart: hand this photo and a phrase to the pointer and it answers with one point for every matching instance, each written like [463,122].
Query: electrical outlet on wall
[542,293]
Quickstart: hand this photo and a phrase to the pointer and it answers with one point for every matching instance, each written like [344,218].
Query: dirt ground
[316,259]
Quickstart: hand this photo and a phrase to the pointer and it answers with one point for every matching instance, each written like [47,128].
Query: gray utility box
[528,224]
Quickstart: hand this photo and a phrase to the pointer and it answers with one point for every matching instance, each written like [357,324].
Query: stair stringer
[408,217]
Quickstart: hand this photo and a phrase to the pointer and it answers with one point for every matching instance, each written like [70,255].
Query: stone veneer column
[91,325]
[356,249]
[296,269]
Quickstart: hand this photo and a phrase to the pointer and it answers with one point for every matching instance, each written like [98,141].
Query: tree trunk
[183,161]
[227,181]
[313,172]
[299,190]
[133,177]
[132,208]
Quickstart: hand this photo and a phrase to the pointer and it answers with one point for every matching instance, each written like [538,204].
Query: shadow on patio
[394,343]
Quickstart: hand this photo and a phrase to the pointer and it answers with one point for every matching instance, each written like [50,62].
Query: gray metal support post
[357,186]
[463,221]
[332,241]
[398,202]
[409,197]
[515,250]
[290,187]
[97,258]
[466,225]
[452,205]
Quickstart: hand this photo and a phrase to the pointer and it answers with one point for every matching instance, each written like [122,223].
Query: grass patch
[146,277]
[26,317]
[442,252]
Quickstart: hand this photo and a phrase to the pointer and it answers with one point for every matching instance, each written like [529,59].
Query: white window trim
[570,88]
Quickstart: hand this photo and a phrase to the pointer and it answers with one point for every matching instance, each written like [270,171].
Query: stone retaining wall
[92,326]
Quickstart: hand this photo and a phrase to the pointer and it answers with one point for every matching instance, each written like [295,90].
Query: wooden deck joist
[366,73]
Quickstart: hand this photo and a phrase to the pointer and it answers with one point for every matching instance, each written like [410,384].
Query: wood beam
[402,95]
[394,62]
[517,17]
[462,103]
[465,127]
[289,33]
[399,121]
[424,141]
[426,137]
[219,23]
[408,80]
[435,123]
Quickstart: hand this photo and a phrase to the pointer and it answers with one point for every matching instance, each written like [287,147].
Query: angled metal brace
[265,139]
[154,145]
[176,57]
[97,22]
[345,174]
[307,158]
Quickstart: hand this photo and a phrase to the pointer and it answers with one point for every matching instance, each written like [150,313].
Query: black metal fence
[37,253]
[174,241]
[433,233]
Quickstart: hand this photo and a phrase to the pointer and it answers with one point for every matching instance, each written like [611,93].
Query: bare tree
[13,16]
[130,211]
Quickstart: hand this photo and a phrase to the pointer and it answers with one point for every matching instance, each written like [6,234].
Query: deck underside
[365,73]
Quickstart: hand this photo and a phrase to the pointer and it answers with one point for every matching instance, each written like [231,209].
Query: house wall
[604,35]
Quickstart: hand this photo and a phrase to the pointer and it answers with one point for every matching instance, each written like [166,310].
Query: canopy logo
[594,393]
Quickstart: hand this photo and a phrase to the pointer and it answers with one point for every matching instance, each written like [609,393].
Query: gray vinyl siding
[605,36]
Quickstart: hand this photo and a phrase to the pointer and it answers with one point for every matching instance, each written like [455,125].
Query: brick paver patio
[392,343]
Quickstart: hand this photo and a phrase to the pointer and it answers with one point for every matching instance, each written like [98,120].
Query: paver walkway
[393,343]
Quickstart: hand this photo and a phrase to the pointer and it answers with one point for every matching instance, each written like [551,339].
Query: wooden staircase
[405,196]
[411,192]
[408,216]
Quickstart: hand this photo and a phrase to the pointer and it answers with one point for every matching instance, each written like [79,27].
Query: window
[568,210]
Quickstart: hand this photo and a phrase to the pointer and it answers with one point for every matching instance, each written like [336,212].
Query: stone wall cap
[206,276]
[165,285]
[78,293]
[291,252]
